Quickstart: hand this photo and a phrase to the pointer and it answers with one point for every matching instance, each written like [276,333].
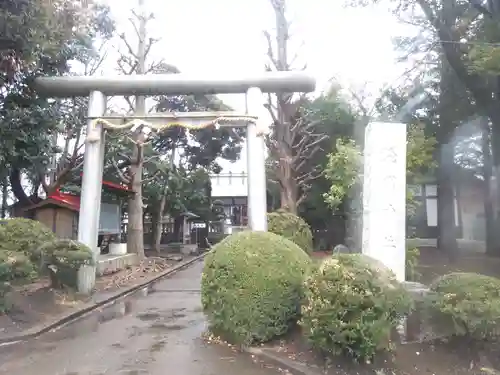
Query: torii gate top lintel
[172,84]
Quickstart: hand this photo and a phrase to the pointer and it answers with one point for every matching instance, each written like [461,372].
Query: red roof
[114,185]
[69,200]
[72,201]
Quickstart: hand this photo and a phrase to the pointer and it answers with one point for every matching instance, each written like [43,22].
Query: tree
[185,186]
[466,33]
[293,140]
[172,189]
[41,38]
[135,155]
[344,165]
[131,160]
[333,116]
[202,147]
[451,114]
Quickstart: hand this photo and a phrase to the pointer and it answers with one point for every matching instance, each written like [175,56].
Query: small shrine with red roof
[60,211]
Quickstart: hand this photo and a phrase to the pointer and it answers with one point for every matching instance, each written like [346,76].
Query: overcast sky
[352,46]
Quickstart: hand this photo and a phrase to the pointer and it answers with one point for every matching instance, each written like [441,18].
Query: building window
[431,206]
[415,190]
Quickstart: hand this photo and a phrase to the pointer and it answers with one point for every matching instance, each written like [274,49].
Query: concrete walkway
[156,331]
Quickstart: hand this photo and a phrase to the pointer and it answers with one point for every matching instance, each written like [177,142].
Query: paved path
[155,332]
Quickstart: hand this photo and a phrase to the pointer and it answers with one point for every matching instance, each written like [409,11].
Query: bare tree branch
[91,69]
[124,156]
[130,50]
[151,158]
[293,141]
[270,53]
[151,178]
[43,182]
[148,46]
[120,173]
[130,103]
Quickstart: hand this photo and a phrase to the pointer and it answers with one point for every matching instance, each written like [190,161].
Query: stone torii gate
[98,88]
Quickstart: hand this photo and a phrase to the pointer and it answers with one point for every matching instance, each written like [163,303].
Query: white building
[231,189]
[469,207]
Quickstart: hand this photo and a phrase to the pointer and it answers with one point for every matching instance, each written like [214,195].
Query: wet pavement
[154,331]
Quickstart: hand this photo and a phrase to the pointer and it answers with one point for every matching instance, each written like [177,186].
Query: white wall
[229,185]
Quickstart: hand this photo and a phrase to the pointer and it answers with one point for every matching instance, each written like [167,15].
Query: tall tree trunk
[480,91]
[160,209]
[460,220]
[153,230]
[158,223]
[17,187]
[447,240]
[283,133]
[289,196]
[178,227]
[354,218]
[5,196]
[135,243]
[495,176]
[135,229]
[488,199]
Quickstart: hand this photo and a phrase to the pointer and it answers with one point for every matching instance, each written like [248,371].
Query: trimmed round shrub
[252,286]
[352,304]
[470,301]
[63,258]
[15,268]
[292,227]
[25,236]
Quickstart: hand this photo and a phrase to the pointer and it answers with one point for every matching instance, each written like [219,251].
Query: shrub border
[296,367]
[89,307]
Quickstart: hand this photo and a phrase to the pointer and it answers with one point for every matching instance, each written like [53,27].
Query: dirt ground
[434,263]
[430,358]
[37,304]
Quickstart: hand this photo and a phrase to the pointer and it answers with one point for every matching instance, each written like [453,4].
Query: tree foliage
[333,116]
[40,38]
[466,34]
[330,114]
[343,171]
[344,164]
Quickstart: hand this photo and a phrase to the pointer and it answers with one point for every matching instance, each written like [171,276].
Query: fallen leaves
[148,266]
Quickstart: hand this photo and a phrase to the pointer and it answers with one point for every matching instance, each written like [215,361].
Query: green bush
[25,236]
[470,301]
[15,268]
[292,227]
[63,259]
[352,304]
[252,286]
